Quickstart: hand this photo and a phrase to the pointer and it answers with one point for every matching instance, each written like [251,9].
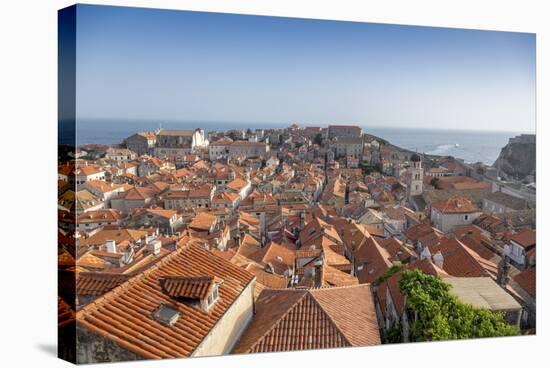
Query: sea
[471,146]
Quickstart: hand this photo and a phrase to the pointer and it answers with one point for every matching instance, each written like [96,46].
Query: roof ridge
[115,291]
[275,323]
[315,289]
[330,317]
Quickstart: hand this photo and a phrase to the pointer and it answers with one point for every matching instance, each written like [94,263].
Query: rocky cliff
[517,160]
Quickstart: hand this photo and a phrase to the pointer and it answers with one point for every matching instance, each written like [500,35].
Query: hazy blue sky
[173,65]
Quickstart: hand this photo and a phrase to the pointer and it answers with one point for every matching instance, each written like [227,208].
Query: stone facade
[344,131]
[92,348]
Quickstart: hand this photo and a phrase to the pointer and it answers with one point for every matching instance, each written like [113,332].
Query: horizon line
[300,124]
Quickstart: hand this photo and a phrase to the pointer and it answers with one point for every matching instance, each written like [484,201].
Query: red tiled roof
[331,276]
[65,314]
[125,314]
[527,280]
[457,260]
[161,212]
[251,249]
[237,184]
[372,260]
[396,249]
[280,256]
[194,287]
[292,319]
[118,235]
[456,205]
[108,215]
[423,233]
[526,238]
[203,221]
[265,279]
[139,193]
[95,283]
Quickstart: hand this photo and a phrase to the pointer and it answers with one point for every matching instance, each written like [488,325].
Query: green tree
[439,315]
[435,183]
[389,273]
[368,168]
[318,139]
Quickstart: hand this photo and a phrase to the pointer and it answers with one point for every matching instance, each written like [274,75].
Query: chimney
[153,247]
[438,259]
[503,272]
[111,246]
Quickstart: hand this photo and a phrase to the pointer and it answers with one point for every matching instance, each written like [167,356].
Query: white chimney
[154,247]
[149,239]
[438,259]
[111,246]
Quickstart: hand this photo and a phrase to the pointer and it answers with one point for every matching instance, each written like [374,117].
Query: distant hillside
[518,158]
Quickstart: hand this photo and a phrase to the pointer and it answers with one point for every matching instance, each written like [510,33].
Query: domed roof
[415,157]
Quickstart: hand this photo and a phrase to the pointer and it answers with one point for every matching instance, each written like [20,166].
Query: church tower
[416,177]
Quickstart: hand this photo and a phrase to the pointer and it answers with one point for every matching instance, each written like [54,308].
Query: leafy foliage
[393,334]
[439,315]
[389,273]
[368,168]
[435,182]
[318,139]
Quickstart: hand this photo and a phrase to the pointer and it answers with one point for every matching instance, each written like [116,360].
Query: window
[213,296]
[466,217]
[166,315]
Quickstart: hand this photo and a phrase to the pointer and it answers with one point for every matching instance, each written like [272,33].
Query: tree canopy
[439,315]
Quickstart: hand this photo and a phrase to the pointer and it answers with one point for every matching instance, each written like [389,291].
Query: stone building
[453,212]
[141,143]
[499,202]
[349,147]
[174,143]
[415,176]
[344,131]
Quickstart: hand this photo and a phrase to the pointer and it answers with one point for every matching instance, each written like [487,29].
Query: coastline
[470,146]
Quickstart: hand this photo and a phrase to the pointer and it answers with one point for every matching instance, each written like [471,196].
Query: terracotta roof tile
[95,283]
[203,221]
[251,249]
[118,235]
[293,319]
[331,276]
[457,260]
[527,280]
[456,205]
[124,315]
[526,238]
[280,256]
[372,260]
[65,314]
[193,287]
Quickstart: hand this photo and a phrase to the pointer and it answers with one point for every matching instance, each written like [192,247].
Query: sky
[135,63]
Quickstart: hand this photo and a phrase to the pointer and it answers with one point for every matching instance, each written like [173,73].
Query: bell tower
[415,177]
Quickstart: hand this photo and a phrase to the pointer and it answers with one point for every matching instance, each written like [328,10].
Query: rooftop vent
[438,259]
[110,246]
[154,247]
[166,315]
